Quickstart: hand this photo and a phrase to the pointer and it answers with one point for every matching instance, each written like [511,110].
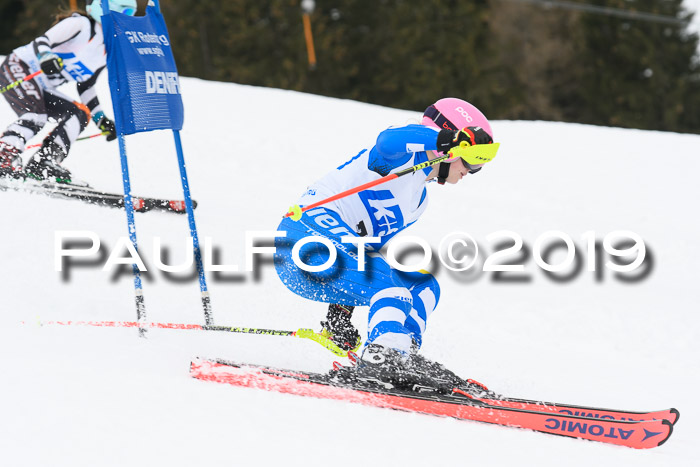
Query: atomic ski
[640,434]
[84,192]
[483,394]
[671,415]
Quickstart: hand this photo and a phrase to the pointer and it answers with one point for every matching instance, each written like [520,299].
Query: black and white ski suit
[79,42]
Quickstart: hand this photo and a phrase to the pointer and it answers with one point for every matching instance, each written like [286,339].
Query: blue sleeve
[395,143]
[396,146]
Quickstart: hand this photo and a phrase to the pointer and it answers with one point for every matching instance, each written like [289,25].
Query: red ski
[640,434]
[671,415]
[490,398]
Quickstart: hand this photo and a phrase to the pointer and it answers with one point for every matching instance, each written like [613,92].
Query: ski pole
[301,332]
[487,150]
[32,146]
[20,81]
[295,212]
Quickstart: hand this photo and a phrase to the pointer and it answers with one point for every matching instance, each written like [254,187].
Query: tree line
[513,59]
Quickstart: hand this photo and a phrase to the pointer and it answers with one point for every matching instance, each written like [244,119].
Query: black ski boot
[383,367]
[446,381]
[10,161]
[46,164]
[378,367]
[339,328]
[386,368]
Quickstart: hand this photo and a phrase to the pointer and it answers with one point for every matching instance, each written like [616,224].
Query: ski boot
[381,367]
[448,381]
[10,161]
[339,329]
[46,164]
[378,367]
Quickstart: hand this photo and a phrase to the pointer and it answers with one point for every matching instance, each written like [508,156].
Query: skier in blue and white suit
[399,302]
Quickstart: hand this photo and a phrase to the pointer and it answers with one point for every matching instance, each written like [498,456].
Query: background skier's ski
[86,193]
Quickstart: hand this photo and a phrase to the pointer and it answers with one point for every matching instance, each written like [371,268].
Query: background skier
[399,302]
[72,50]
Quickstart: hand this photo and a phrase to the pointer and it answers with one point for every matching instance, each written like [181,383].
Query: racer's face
[459,170]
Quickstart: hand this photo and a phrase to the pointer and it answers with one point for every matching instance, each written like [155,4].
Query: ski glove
[105,125]
[448,139]
[50,63]
[472,135]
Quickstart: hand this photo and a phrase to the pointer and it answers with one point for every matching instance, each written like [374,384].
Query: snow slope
[74,396]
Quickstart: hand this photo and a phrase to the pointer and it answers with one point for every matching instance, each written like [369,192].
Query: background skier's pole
[83,138]
[20,81]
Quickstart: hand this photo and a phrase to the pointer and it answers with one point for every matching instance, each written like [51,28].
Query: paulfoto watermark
[622,255]
[507,256]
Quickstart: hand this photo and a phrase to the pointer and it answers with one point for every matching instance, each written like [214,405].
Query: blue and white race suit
[399,302]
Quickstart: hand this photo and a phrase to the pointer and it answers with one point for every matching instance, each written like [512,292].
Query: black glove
[448,139]
[105,125]
[472,135]
[51,64]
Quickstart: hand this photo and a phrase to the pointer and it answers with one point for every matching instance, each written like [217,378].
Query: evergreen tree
[9,12]
[511,59]
[639,74]
[536,64]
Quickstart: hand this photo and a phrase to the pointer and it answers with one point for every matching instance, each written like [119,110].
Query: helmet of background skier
[454,114]
[125,7]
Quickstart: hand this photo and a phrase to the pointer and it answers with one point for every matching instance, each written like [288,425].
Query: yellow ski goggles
[473,155]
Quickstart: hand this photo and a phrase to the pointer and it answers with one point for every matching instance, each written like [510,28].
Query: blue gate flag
[143,79]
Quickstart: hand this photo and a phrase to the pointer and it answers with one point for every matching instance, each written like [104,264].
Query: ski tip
[676,413]
[670,431]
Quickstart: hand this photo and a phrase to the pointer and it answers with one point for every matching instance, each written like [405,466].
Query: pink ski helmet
[454,114]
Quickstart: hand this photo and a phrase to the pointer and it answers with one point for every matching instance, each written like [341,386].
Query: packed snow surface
[81,396]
